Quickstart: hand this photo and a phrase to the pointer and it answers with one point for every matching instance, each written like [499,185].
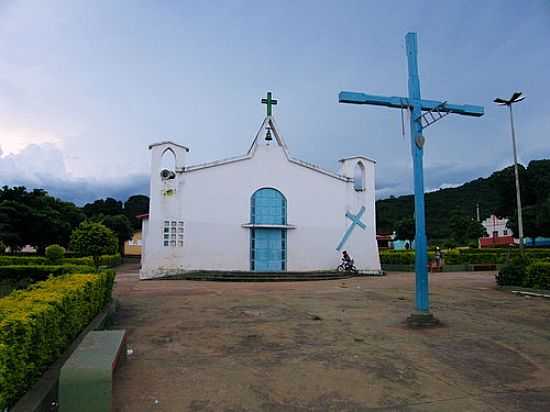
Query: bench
[85,382]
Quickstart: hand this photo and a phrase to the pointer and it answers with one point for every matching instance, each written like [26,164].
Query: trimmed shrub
[22,260]
[538,275]
[104,260]
[95,240]
[88,261]
[41,272]
[55,254]
[491,256]
[513,273]
[398,257]
[39,323]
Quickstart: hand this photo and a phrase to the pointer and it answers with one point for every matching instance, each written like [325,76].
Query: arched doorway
[268,233]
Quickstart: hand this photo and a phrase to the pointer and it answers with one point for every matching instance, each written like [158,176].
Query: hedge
[513,273]
[41,272]
[23,260]
[400,257]
[465,256]
[538,276]
[505,250]
[39,323]
[105,260]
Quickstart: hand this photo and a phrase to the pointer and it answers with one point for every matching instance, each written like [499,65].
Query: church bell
[268,137]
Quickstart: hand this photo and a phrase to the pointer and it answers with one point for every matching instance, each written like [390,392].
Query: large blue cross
[434,110]
[355,221]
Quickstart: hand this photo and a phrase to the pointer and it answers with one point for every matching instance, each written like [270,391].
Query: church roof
[368,159]
[268,121]
[168,142]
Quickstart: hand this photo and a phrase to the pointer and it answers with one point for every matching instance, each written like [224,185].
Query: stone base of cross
[423,113]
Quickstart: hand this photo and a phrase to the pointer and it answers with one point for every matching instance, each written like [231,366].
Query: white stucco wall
[215,201]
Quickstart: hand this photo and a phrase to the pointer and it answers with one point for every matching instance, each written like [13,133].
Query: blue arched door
[268,244]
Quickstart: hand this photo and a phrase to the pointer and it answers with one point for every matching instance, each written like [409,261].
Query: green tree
[405,229]
[536,221]
[544,218]
[12,224]
[35,218]
[504,182]
[538,176]
[457,225]
[464,229]
[93,239]
[530,226]
[121,227]
[136,205]
[108,206]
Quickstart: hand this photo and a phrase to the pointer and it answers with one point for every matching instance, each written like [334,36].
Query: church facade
[264,211]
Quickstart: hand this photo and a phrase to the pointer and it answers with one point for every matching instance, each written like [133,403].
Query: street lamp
[516,97]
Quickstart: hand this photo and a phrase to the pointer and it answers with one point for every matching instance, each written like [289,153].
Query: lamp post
[516,97]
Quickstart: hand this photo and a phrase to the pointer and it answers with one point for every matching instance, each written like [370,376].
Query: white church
[263,211]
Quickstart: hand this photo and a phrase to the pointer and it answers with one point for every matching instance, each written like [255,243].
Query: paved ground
[331,346]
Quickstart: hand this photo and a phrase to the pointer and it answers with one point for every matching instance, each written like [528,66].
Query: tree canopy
[121,227]
[134,206]
[495,195]
[33,217]
[106,207]
[93,239]
[405,229]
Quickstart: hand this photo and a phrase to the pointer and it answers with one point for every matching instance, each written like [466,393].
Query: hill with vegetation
[494,194]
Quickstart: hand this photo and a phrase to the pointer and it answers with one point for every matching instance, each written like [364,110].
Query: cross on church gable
[270,102]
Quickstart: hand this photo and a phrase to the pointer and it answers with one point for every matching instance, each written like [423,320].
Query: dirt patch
[485,362]
[317,346]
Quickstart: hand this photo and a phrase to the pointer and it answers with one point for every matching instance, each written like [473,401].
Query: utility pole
[478,220]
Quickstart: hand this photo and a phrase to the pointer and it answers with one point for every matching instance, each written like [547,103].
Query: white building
[496,227]
[263,211]
[498,234]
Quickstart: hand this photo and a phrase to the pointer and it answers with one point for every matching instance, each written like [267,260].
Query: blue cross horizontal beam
[405,103]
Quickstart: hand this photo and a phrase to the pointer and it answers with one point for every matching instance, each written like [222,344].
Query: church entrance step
[258,276]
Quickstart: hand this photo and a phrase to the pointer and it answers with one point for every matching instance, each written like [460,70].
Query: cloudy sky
[86,86]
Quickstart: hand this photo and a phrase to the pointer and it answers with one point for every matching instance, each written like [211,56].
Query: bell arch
[168,160]
[359,177]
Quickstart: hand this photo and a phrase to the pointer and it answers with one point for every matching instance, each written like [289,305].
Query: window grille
[173,231]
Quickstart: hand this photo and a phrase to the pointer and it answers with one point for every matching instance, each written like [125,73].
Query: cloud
[43,166]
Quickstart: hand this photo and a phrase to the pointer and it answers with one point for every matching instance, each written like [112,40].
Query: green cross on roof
[270,102]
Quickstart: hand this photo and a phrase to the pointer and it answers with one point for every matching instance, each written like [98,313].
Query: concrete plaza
[330,346]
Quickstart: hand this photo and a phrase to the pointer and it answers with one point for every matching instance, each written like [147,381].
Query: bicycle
[347,267]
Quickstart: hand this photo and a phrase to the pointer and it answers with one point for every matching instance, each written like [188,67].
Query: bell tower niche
[166,191]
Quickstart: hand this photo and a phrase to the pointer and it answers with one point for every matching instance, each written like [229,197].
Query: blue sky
[86,86]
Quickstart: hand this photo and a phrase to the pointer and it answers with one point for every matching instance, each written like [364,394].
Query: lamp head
[516,97]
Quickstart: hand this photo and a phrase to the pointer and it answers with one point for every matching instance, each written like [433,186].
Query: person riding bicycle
[346,259]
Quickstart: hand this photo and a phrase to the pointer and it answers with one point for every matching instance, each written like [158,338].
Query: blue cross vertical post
[423,113]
